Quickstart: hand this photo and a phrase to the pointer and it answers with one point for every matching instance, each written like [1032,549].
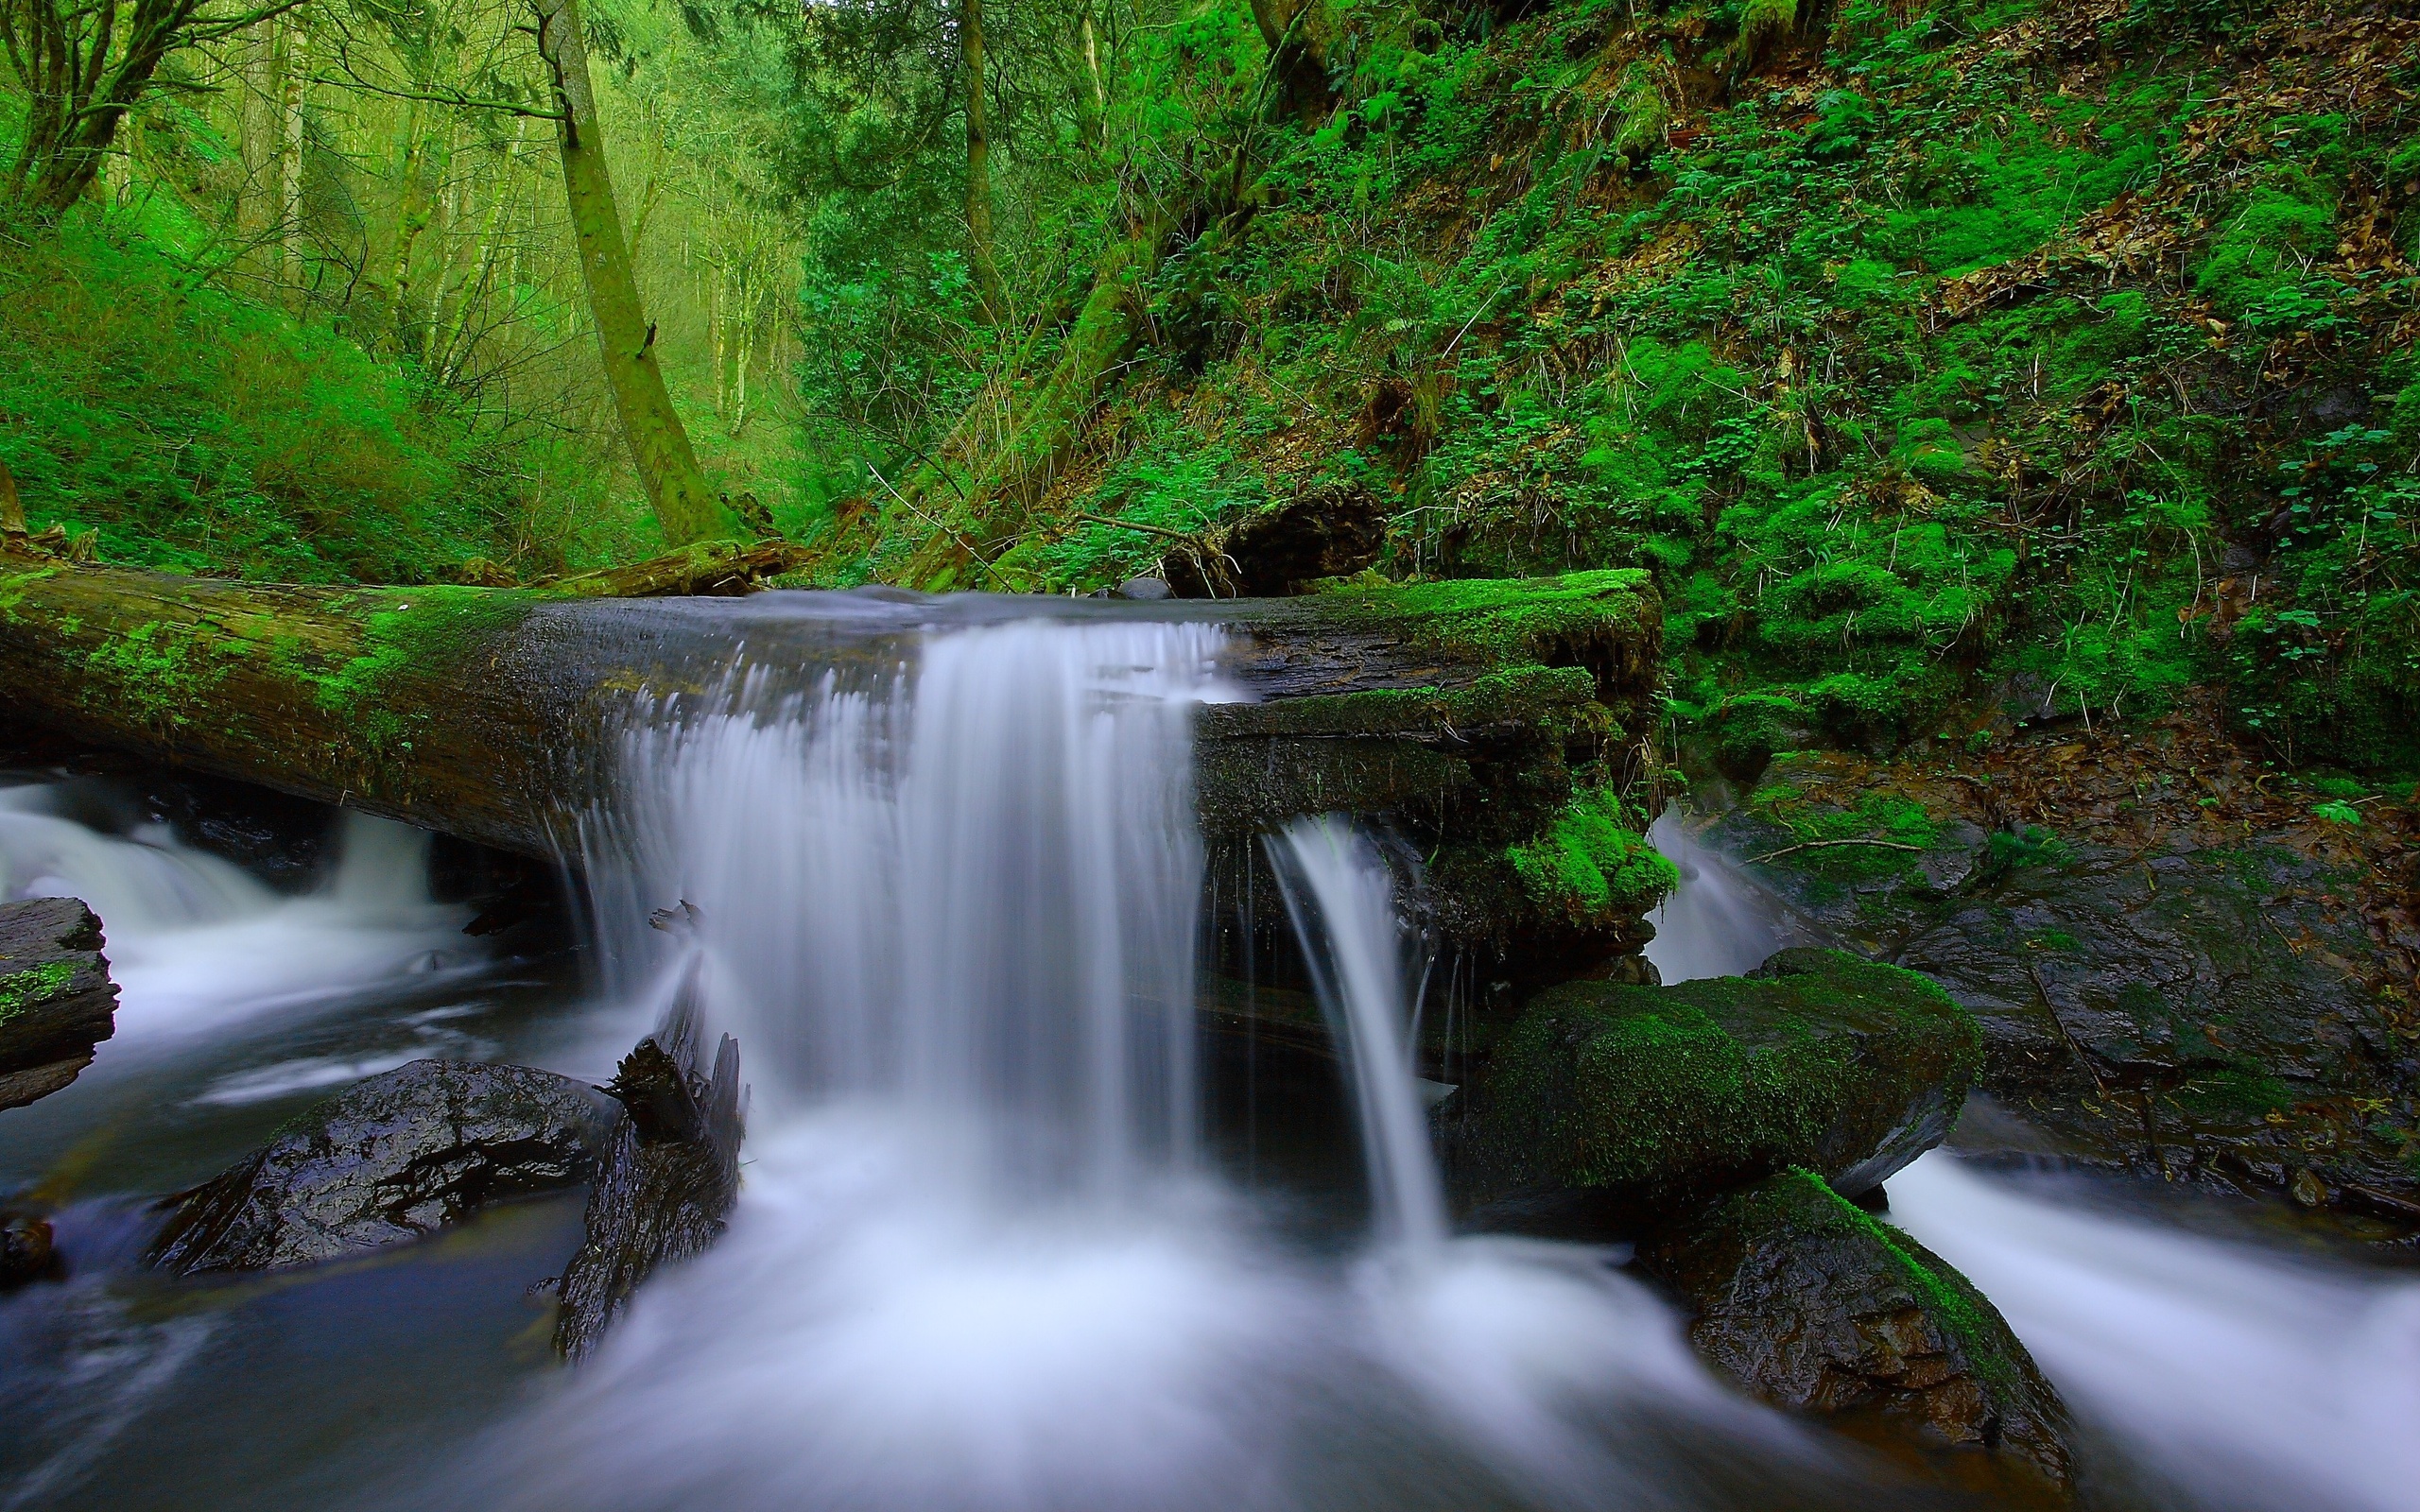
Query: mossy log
[1477,715]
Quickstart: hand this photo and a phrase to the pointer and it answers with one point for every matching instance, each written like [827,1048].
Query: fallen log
[1470,713]
[668,1178]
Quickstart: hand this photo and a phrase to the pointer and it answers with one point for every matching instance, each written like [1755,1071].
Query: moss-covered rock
[56,1001]
[1811,1304]
[1638,1100]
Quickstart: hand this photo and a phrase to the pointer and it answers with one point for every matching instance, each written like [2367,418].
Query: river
[998,1244]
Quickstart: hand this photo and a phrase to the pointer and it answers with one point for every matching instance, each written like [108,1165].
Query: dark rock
[1144,588]
[56,1001]
[1811,1304]
[1640,1100]
[26,1252]
[669,1176]
[389,1160]
[2164,986]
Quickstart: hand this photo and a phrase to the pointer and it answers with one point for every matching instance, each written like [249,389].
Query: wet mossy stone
[56,1001]
[1622,1101]
[391,1158]
[1810,1303]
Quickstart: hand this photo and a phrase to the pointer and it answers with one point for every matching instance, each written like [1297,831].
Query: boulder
[1618,1102]
[391,1158]
[1811,1304]
[56,1001]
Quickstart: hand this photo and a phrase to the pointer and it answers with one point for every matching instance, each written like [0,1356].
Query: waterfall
[966,879]
[946,892]
[1341,896]
[1717,922]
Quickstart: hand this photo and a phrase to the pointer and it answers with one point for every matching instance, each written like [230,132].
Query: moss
[1593,865]
[1952,1302]
[21,990]
[1654,1093]
[1609,621]
[158,670]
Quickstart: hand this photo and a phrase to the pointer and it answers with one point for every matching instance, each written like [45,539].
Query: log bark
[669,1176]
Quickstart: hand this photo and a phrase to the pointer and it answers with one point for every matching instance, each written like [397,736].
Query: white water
[196,944]
[2244,1379]
[1340,897]
[2245,1376]
[1716,923]
[950,910]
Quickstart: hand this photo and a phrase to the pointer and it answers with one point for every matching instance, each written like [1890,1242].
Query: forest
[1210,755]
[1934,359]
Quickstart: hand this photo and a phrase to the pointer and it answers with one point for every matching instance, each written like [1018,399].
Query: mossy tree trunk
[979,165]
[1300,34]
[82,65]
[684,503]
[1013,442]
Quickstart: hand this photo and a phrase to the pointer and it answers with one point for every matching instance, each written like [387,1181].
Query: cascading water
[2230,1376]
[1340,897]
[196,943]
[2241,1376]
[1716,923]
[949,900]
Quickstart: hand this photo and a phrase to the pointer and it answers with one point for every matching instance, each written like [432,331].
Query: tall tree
[83,64]
[978,163]
[685,505]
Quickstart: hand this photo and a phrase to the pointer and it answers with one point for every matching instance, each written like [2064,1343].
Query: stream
[1009,1236]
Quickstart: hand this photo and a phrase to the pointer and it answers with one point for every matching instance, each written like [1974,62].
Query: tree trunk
[296,68]
[1092,103]
[979,165]
[1300,34]
[1010,472]
[83,73]
[684,505]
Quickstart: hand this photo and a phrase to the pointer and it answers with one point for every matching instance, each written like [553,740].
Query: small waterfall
[948,896]
[1717,922]
[1341,896]
[965,879]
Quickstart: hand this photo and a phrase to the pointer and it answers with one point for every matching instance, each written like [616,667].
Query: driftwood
[669,1175]
[56,1001]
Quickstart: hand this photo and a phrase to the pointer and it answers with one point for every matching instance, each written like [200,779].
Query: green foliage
[1594,864]
[200,431]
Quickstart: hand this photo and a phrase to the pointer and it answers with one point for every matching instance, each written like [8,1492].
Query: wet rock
[1812,1304]
[2178,969]
[669,1174]
[1609,1101]
[56,1001]
[26,1252]
[1144,588]
[392,1159]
